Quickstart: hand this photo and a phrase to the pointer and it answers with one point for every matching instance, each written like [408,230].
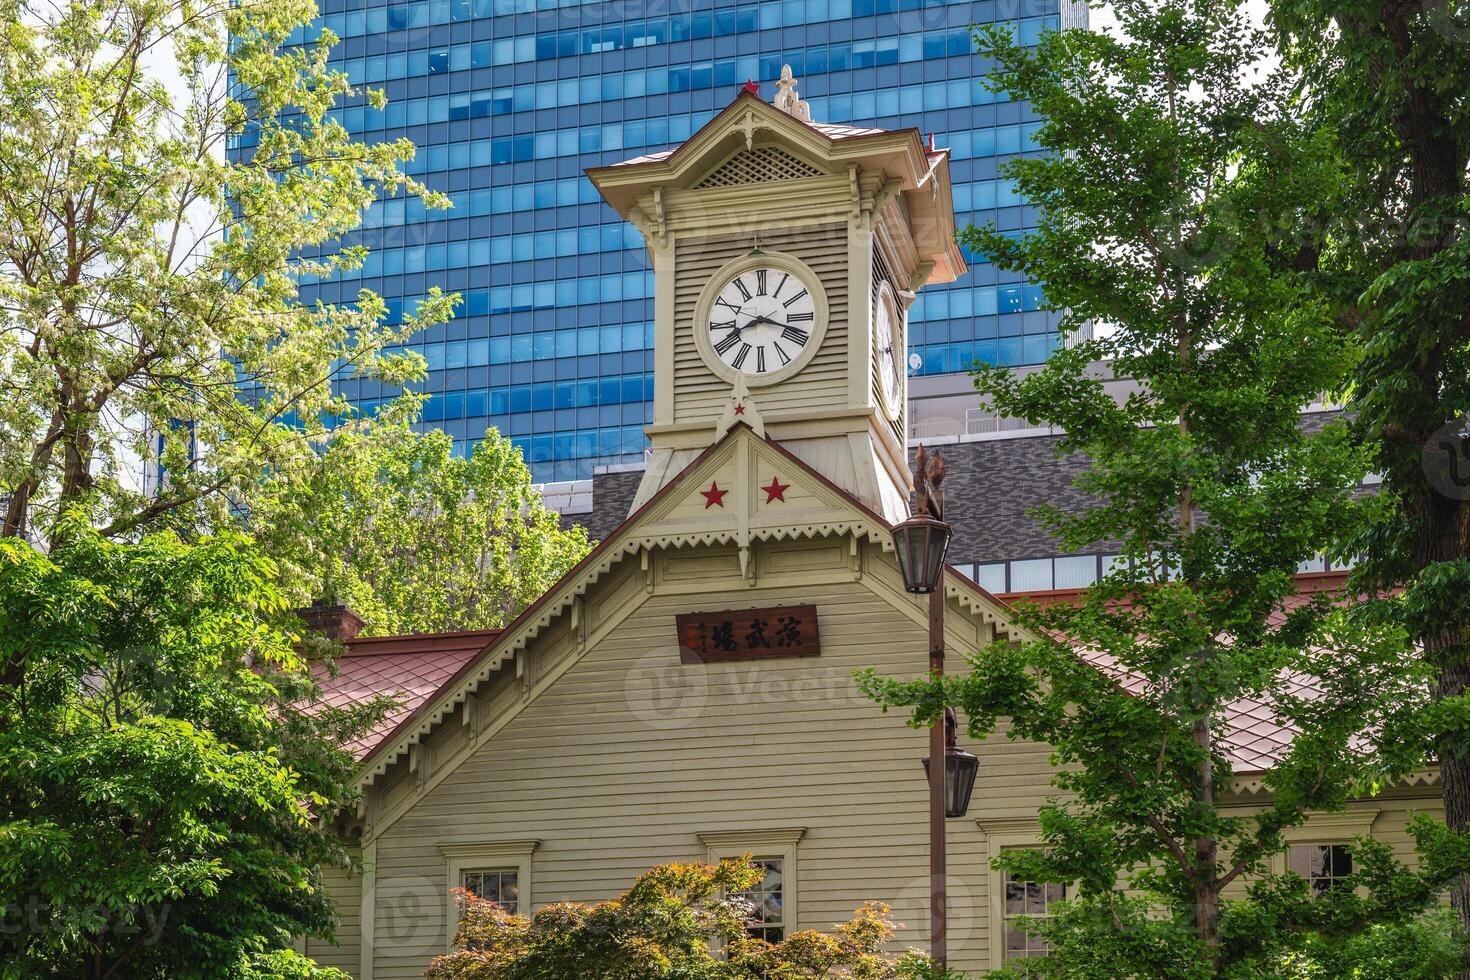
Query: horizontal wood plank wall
[346,952]
[1386,817]
[700,396]
[622,761]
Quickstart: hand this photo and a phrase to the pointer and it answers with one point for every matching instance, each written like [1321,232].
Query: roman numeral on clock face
[761,320]
[731,339]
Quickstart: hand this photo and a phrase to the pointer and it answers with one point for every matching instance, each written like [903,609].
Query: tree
[148,282]
[677,922]
[1392,257]
[161,763]
[1424,949]
[1174,178]
[411,537]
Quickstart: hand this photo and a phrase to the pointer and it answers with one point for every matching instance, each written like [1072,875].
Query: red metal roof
[410,668]
[1254,737]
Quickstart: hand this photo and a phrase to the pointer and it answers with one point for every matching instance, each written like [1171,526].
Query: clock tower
[786,253]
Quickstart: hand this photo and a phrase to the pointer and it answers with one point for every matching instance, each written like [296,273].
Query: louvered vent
[757,166]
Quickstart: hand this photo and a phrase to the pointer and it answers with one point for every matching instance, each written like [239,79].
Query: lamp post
[922,542]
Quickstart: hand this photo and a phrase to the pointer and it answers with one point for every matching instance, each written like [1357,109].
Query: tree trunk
[1435,169]
[1206,853]
[1454,772]
[16,508]
[1443,534]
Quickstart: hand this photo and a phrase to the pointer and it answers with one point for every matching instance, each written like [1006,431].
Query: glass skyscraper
[509,101]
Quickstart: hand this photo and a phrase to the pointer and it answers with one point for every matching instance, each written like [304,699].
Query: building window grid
[1027,900]
[915,46]
[628,34]
[500,886]
[658,131]
[436,158]
[1325,866]
[768,915]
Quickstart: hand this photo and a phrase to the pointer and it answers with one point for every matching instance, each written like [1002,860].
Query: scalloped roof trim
[623,542]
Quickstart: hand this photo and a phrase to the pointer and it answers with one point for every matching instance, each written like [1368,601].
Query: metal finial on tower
[786,98]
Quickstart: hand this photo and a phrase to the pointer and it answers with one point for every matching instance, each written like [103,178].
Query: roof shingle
[410,668]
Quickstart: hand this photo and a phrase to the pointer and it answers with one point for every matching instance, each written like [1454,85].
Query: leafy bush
[1423,949]
[677,922]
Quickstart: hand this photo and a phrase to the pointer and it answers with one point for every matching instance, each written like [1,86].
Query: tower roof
[919,170]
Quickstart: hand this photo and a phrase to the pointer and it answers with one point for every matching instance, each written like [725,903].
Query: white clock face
[888,346]
[761,320]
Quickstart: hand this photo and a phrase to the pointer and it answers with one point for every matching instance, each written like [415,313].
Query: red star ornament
[776,490]
[740,408]
[714,496]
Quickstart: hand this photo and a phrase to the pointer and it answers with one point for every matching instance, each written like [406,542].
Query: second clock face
[761,320]
[888,342]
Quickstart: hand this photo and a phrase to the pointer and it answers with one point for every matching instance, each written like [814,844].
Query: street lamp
[921,543]
[960,769]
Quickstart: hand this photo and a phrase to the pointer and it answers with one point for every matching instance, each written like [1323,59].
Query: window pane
[767,914]
[1015,896]
[1025,900]
[1031,576]
[1076,572]
[1325,866]
[992,578]
[500,887]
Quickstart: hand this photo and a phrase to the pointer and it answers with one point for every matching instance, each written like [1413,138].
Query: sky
[1101,15]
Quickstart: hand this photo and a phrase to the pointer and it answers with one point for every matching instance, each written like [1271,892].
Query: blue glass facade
[508,101]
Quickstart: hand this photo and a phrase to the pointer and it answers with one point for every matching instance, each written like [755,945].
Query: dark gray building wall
[990,488]
[612,495]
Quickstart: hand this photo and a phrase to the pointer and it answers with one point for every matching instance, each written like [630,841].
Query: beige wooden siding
[1386,817]
[700,396]
[621,760]
[627,756]
[346,952]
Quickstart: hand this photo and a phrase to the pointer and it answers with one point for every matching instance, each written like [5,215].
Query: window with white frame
[1025,901]
[767,900]
[773,898]
[497,871]
[1325,866]
[1321,850]
[499,886]
[1015,901]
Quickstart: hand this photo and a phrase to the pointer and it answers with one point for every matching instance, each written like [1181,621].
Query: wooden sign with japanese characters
[748,634]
